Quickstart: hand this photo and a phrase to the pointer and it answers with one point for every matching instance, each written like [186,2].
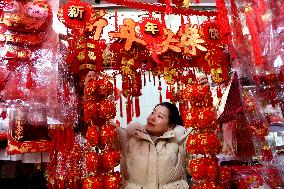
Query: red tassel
[255,40]
[120,106]
[114,88]
[149,76]
[72,141]
[132,108]
[128,109]
[137,106]
[75,184]
[58,138]
[154,80]
[163,19]
[63,139]
[68,138]
[219,92]
[144,79]
[161,98]
[168,7]
[259,19]
[168,94]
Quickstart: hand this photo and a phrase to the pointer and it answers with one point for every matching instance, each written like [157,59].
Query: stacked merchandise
[255,32]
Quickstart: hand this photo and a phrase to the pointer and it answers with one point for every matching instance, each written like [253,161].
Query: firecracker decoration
[101,155]
[201,117]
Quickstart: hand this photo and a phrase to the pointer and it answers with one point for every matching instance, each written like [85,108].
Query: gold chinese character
[127,31]
[150,27]
[75,11]
[22,54]
[214,34]
[81,55]
[91,55]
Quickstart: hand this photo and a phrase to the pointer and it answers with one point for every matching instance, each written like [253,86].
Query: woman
[153,156]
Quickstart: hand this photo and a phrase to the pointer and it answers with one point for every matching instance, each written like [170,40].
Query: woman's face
[158,121]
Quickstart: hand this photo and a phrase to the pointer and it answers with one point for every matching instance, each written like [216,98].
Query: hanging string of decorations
[162,8]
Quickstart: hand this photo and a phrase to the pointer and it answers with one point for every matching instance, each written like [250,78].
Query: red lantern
[90,112]
[208,143]
[108,134]
[75,14]
[192,145]
[91,91]
[197,169]
[198,95]
[110,159]
[112,180]
[107,110]
[92,136]
[224,174]
[92,162]
[151,30]
[105,88]
[95,182]
[212,171]
[201,118]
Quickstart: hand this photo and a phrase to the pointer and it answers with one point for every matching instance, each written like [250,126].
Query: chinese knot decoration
[101,157]
[86,48]
[204,140]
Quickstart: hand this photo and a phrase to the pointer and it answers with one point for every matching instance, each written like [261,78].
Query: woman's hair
[174,116]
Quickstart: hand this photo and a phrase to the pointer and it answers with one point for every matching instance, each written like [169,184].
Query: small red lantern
[90,112]
[112,180]
[92,136]
[105,88]
[91,91]
[197,169]
[92,162]
[192,145]
[95,182]
[107,110]
[107,134]
[208,143]
[110,159]
[75,14]
[201,118]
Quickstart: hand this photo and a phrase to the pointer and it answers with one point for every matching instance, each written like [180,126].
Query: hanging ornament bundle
[101,156]
[204,170]
[85,46]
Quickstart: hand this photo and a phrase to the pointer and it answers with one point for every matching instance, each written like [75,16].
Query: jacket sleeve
[123,135]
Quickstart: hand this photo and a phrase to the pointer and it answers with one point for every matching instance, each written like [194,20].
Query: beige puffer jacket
[149,164]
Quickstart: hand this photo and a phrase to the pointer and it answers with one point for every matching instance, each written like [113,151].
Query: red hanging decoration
[137,106]
[255,39]
[219,92]
[120,106]
[128,109]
